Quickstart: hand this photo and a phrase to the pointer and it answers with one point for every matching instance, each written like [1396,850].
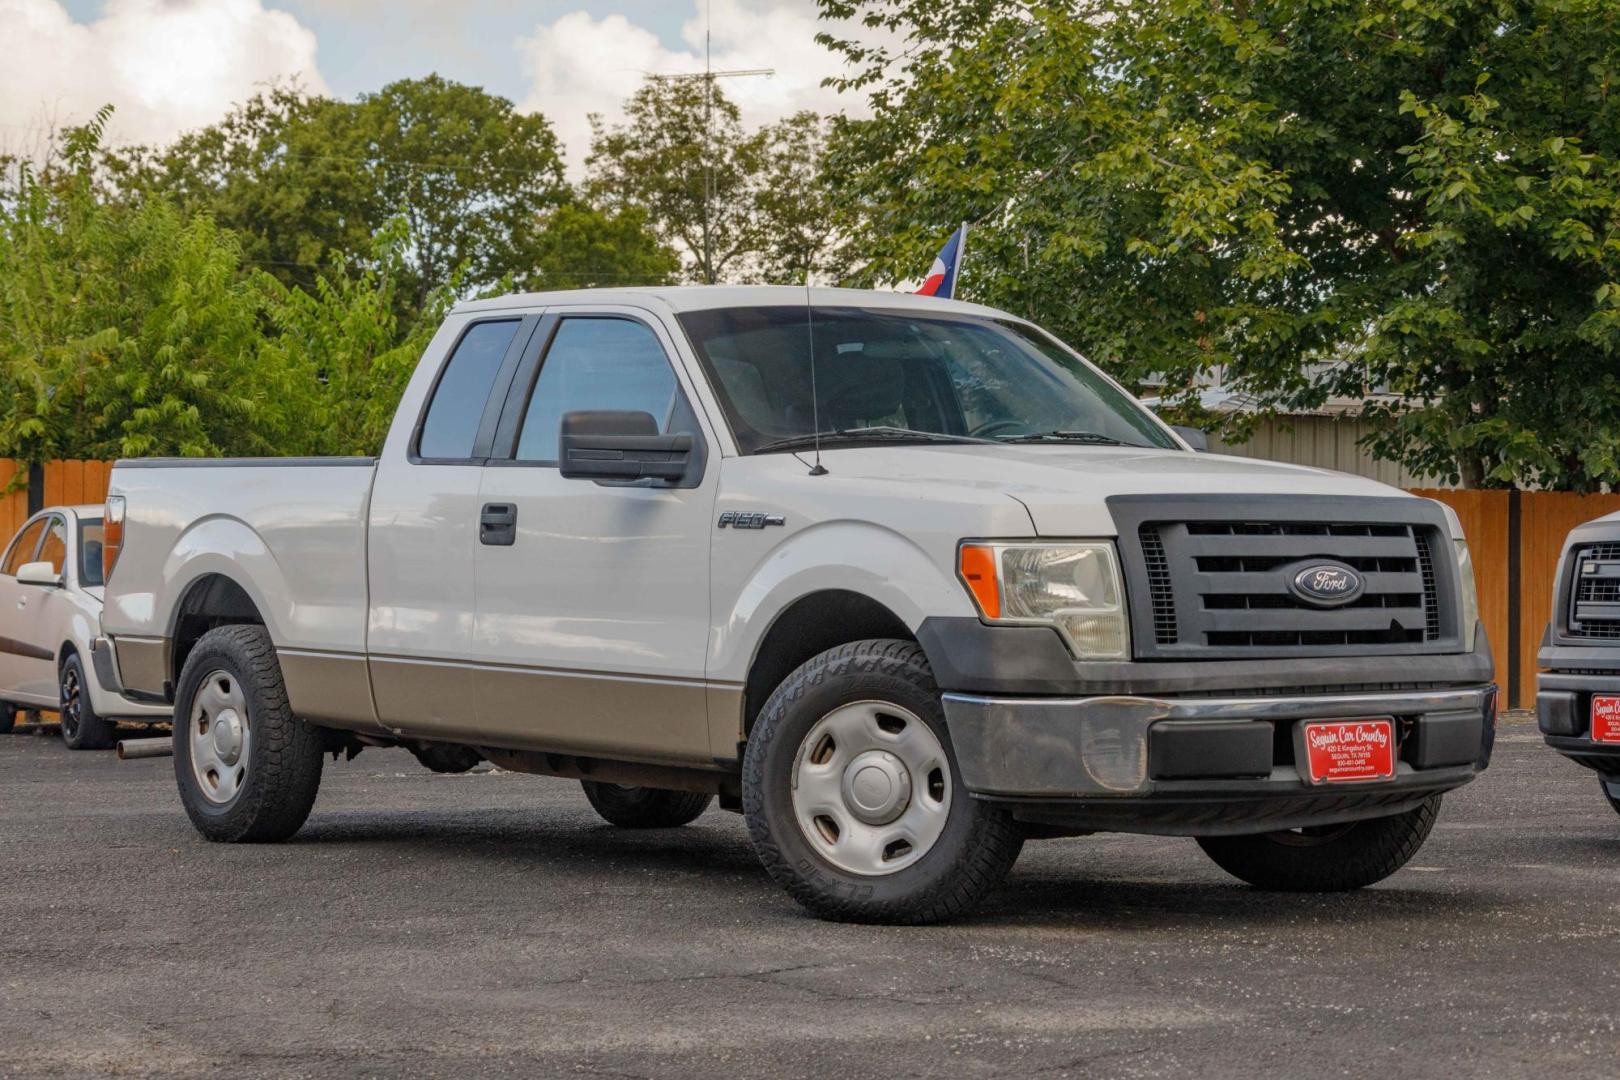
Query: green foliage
[133,329]
[742,205]
[303,180]
[581,247]
[1314,197]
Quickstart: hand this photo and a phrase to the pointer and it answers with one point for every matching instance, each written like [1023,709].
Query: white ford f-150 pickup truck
[904,580]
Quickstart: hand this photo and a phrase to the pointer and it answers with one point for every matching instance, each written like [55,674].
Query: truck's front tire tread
[1368,852]
[285,772]
[968,861]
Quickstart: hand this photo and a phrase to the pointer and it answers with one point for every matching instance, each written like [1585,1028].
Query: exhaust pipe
[129,749]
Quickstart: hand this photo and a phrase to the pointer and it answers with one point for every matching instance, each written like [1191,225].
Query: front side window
[949,375]
[23,548]
[451,427]
[54,548]
[597,363]
[90,541]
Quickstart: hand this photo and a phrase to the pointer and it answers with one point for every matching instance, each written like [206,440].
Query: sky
[168,66]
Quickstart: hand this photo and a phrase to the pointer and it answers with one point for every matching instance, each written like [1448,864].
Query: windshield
[953,375]
[90,553]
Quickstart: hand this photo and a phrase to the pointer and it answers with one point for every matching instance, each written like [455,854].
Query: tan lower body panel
[600,714]
[725,720]
[425,699]
[329,688]
[143,663]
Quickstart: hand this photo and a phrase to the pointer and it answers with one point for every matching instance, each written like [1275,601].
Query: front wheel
[1610,786]
[248,770]
[644,807]
[853,797]
[1328,858]
[82,728]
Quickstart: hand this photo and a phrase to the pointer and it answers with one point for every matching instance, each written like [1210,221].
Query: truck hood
[1065,487]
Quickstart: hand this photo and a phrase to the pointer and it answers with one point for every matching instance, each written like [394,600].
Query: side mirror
[610,445]
[39,573]
[1192,437]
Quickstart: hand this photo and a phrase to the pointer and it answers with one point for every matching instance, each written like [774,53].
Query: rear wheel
[8,718]
[82,728]
[644,807]
[1329,858]
[853,797]
[248,770]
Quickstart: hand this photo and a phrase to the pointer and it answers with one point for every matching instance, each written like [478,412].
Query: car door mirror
[1193,437]
[39,573]
[612,445]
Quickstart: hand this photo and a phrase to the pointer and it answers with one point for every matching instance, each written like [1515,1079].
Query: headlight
[1469,596]
[1073,587]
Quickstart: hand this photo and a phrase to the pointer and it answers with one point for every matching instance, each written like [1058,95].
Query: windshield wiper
[867,434]
[1091,437]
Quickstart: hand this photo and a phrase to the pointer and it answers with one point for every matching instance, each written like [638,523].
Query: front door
[593,612]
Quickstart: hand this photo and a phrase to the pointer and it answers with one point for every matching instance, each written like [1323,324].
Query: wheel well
[211,601]
[68,649]
[810,625]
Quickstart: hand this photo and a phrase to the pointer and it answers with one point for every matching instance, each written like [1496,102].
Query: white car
[50,613]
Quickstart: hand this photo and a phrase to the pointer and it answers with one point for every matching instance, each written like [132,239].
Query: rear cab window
[455,413]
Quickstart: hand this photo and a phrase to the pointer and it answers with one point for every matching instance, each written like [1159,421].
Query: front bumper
[1206,766]
[1564,712]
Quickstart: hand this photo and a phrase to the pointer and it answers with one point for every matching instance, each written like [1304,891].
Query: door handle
[497,525]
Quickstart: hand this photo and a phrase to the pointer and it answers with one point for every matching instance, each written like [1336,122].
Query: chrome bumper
[1125,747]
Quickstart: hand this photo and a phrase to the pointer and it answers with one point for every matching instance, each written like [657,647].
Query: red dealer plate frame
[1346,751]
[1606,718]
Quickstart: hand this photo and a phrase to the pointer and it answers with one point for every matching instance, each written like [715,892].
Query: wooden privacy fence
[1515,537]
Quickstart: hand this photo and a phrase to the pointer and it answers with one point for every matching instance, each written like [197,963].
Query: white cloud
[166,65]
[580,64]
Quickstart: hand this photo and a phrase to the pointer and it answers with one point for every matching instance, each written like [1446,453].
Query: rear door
[17,654]
[594,617]
[423,528]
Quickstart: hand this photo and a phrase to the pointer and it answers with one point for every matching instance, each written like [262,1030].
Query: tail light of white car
[112,534]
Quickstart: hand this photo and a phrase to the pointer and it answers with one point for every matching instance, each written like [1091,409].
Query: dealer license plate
[1606,718]
[1348,751]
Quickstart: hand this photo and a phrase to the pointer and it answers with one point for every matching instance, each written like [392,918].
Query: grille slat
[1165,631]
[1431,591]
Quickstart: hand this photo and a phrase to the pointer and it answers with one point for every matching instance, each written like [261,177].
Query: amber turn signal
[978,569]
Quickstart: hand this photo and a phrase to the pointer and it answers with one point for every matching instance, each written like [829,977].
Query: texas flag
[941,280]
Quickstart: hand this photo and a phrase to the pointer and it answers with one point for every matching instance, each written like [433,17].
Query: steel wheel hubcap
[871,788]
[221,738]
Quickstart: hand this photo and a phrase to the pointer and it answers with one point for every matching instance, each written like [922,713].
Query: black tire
[446,757]
[284,754]
[1335,858]
[8,718]
[979,842]
[1609,797]
[644,807]
[82,727]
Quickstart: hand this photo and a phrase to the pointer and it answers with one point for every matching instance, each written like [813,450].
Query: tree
[303,179]
[684,160]
[742,205]
[1418,194]
[127,330]
[581,247]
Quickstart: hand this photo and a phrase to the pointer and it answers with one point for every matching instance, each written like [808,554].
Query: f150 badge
[1328,585]
[749,519]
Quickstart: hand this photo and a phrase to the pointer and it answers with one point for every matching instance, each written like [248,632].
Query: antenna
[815,399]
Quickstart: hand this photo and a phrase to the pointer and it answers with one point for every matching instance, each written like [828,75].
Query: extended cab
[904,580]
[1578,695]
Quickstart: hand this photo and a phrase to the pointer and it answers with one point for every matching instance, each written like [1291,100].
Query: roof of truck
[679,298]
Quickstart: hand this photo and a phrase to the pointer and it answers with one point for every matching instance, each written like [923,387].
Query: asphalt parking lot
[489,924]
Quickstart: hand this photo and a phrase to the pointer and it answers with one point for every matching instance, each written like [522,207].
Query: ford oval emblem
[1327,585]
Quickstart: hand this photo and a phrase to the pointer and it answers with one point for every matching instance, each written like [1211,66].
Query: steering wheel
[989,428]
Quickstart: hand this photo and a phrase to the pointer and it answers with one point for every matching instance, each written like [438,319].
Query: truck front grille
[1594,610]
[1222,589]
